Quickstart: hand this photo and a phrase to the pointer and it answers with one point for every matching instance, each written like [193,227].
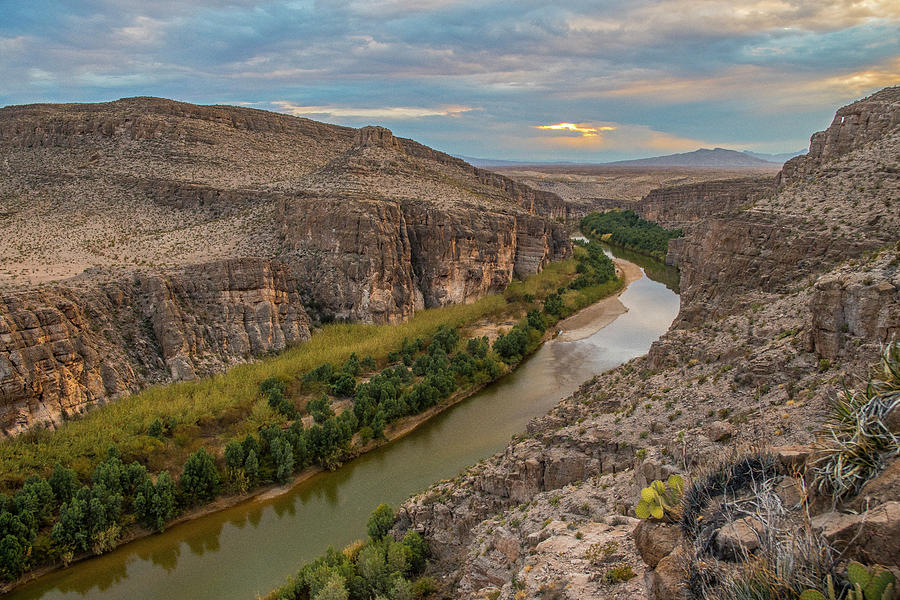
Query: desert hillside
[146,240]
[790,291]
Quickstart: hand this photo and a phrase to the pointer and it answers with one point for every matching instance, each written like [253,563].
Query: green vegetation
[376,568]
[237,431]
[661,500]
[876,583]
[619,574]
[858,442]
[624,228]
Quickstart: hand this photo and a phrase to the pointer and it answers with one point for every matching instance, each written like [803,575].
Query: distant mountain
[704,157]
[776,158]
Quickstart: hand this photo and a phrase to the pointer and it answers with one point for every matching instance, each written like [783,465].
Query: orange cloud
[577,128]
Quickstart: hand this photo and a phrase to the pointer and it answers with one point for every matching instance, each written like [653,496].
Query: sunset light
[577,128]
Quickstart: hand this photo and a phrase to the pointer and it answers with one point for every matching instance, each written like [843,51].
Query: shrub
[200,479]
[380,522]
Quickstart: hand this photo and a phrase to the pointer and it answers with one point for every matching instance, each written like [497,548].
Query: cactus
[660,500]
[817,595]
[870,584]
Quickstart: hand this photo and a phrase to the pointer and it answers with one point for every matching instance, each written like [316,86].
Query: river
[249,549]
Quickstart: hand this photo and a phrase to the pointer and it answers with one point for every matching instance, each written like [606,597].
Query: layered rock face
[406,239]
[64,348]
[676,206]
[781,301]
[199,237]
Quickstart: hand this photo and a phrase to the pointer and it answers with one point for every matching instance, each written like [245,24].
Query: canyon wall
[781,301]
[65,347]
[201,237]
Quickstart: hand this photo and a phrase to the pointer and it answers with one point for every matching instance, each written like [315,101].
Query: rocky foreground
[146,240]
[790,288]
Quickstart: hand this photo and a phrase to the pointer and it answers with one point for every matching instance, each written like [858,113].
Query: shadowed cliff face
[199,237]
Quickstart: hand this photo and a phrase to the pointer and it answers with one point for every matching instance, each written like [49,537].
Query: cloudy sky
[533,80]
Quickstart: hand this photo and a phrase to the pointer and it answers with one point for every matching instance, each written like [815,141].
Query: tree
[155,504]
[445,338]
[367,364]
[380,522]
[334,589]
[320,409]
[283,457]
[234,454]
[200,479]
[251,466]
[64,483]
[553,305]
[416,551]
[536,321]
[12,557]
[345,384]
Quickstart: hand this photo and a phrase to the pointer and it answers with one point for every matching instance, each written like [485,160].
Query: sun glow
[577,128]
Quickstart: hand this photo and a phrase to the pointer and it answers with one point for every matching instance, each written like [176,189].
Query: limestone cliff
[675,206]
[202,236]
[66,347]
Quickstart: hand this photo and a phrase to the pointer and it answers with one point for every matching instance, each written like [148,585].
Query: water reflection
[225,558]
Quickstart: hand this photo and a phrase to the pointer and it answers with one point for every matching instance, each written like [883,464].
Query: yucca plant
[857,442]
[661,500]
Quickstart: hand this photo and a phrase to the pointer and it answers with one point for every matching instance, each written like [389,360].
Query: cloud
[741,71]
[385,112]
[623,138]
[580,128]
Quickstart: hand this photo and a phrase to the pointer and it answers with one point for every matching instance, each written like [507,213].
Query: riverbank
[598,315]
[394,431]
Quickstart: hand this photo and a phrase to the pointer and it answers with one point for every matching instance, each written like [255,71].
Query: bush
[553,305]
[380,522]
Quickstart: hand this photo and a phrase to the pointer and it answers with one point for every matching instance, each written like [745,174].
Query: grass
[210,411]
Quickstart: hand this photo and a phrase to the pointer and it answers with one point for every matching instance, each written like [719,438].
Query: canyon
[146,241]
[790,289]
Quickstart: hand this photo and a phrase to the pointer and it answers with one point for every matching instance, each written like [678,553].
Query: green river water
[249,549]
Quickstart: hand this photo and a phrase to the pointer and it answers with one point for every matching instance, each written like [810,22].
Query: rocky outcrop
[674,207]
[848,304]
[64,349]
[854,126]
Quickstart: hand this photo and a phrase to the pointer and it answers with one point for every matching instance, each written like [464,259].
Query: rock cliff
[781,302]
[66,347]
[199,237]
[676,206]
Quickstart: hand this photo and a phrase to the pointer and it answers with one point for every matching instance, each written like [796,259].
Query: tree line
[624,228]
[61,517]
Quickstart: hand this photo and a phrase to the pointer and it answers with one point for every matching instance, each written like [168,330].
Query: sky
[521,80]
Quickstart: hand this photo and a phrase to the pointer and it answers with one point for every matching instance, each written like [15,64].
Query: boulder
[720,431]
[872,536]
[666,581]
[884,488]
[655,541]
[739,538]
